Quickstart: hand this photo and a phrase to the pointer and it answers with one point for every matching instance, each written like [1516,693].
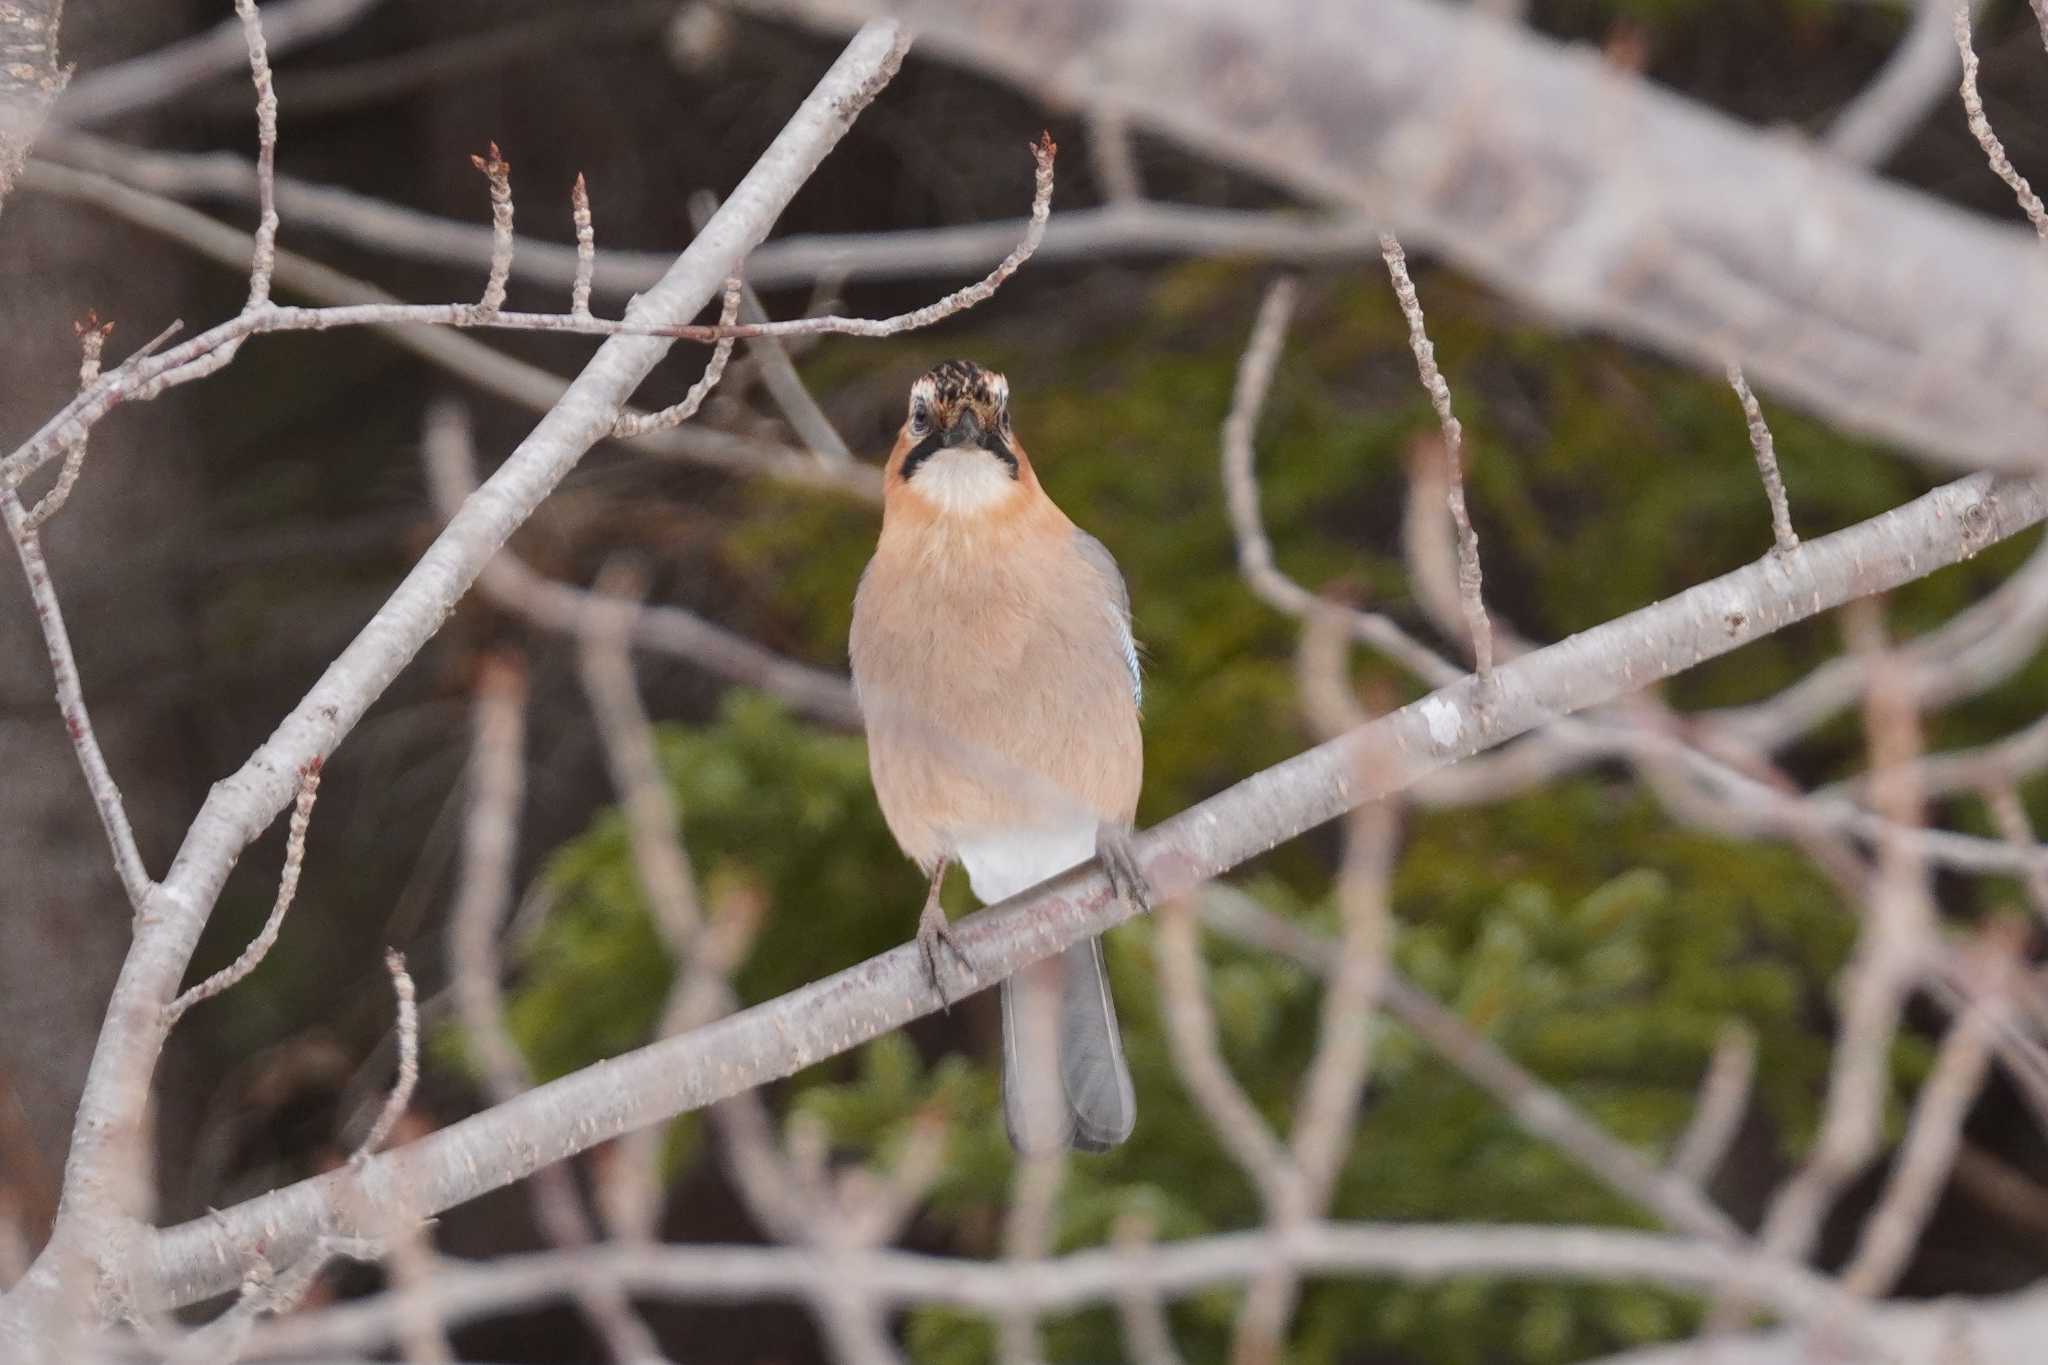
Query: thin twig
[1089,234]
[1198,1057]
[586,248]
[660,628]
[1723,1099]
[833,1014]
[100,1224]
[778,373]
[264,259]
[1241,491]
[790,1194]
[1887,960]
[92,340]
[1327,1109]
[157,77]
[99,778]
[497,786]
[2002,762]
[490,833]
[517,382]
[1148,1336]
[652,820]
[287,888]
[137,381]
[1028,1229]
[1417,1252]
[1933,1137]
[1766,461]
[629,425]
[1915,78]
[499,172]
[408,1060]
[1114,157]
[1541,1111]
[1980,128]
[1469,577]
[2009,813]
[420,1326]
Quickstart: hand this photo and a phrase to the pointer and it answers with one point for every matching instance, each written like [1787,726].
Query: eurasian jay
[999,684]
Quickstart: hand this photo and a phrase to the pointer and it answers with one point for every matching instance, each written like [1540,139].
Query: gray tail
[1064,1078]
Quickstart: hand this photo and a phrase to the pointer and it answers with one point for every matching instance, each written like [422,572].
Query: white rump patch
[1000,863]
[963,479]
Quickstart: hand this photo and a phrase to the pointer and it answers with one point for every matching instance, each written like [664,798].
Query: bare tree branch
[1766,460]
[670,630]
[408,1031]
[252,956]
[92,340]
[30,79]
[1413,1253]
[1928,1153]
[529,386]
[490,833]
[99,778]
[1898,926]
[1724,1095]
[1980,127]
[586,248]
[1541,1111]
[1917,76]
[1470,581]
[832,1015]
[157,77]
[1586,193]
[914,253]
[93,1227]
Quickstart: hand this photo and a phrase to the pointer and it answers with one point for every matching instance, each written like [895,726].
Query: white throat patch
[964,479]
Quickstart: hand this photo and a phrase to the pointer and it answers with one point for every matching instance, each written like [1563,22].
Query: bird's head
[957,452]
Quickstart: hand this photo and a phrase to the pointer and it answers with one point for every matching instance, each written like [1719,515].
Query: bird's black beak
[965,430]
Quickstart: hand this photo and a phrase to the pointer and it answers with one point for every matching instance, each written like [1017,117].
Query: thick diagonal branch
[835,1014]
[1572,187]
[93,1223]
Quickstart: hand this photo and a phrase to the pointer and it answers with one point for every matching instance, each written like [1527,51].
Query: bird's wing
[1103,562]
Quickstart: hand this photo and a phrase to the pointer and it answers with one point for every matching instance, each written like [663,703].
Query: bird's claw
[934,932]
[1118,850]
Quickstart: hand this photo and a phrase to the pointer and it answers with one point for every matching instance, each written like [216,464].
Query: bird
[1000,688]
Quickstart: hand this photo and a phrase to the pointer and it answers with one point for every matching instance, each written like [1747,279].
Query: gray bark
[1582,192]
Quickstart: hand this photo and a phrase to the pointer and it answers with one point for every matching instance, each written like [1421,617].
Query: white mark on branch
[1443,720]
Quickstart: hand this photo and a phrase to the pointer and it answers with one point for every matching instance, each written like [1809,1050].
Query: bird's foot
[934,933]
[1117,847]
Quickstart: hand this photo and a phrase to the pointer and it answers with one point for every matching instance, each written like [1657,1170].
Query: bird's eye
[920,416]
